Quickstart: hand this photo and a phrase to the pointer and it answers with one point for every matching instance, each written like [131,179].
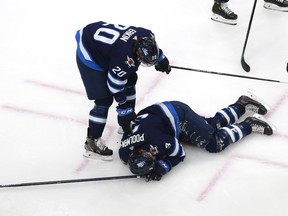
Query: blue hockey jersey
[108,48]
[157,130]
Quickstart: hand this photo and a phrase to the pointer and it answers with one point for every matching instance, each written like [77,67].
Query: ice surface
[44,110]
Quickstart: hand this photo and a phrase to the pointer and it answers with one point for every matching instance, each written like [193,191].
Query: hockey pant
[212,134]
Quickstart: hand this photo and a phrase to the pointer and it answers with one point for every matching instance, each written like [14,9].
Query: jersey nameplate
[132,139]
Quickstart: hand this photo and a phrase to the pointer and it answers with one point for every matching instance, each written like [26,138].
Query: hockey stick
[245,66]
[67,181]
[226,74]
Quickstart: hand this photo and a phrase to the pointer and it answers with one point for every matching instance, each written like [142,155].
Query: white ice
[44,110]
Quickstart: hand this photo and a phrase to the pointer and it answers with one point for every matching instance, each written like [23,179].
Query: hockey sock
[97,120]
[229,115]
[227,135]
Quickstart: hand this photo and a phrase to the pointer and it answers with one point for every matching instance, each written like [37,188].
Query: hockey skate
[260,125]
[278,5]
[95,149]
[222,13]
[252,103]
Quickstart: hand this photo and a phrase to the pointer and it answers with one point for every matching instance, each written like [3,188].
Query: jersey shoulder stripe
[172,115]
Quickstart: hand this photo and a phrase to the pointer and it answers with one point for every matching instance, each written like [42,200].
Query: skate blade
[270,6]
[254,97]
[256,115]
[220,19]
[94,156]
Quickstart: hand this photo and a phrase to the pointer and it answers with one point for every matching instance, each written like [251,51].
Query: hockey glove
[160,169]
[163,64]
[126,114]
[152,176]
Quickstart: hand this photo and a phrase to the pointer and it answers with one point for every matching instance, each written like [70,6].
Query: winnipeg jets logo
[168,145]
[130,62]
[153,150]
[141,164]
[145,51]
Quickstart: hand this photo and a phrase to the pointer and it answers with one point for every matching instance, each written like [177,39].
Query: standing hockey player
[154,147]
[222,13]
[108,56]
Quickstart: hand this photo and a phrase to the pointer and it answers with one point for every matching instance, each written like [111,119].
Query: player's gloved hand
[126,114]
[163,64]
[161,168]
[152,176]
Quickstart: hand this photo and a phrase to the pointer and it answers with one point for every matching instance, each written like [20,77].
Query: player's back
[104,41]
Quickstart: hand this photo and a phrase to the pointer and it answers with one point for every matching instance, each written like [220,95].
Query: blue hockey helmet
[147,51]
[140,162]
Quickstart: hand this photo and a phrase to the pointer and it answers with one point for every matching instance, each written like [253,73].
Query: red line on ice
[278,104]
[150,88]
[216,178]
[55,87]
[43,114]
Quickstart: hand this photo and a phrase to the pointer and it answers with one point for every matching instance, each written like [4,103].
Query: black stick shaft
[67,181]
[245,66]
[249,27]
[226,74]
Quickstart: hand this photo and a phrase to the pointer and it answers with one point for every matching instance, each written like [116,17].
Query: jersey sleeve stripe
[176,148]
[183,151]
[115,85]
[116,81]
[114,90]
[171,113]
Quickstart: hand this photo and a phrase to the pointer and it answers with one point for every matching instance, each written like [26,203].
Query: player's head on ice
[141,162]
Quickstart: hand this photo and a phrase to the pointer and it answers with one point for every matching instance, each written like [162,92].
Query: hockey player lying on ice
[154,147]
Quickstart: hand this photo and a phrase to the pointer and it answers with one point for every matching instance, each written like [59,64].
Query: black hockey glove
[152,176]
[126,114]
[161,168]
[163,66]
